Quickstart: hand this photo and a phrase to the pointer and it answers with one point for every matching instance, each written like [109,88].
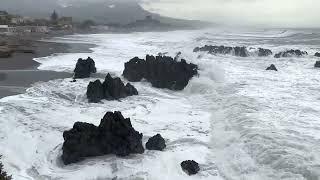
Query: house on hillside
[18,20]
[4,29]
[65,22]
[28,29]
[4,17]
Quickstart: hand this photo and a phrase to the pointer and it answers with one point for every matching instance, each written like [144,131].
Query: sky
[284,13]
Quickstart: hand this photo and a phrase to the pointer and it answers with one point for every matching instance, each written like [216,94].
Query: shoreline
[19,72]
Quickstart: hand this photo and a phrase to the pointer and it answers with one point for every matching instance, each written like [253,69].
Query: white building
[4,29]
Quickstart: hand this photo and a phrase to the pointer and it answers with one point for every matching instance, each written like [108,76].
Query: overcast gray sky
[242,12]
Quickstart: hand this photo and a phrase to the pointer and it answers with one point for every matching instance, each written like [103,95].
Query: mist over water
[260,13]
[236,119]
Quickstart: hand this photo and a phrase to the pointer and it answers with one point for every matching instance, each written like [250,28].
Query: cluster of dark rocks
[236,51]
[317,54]
[110,89]
[114,135]
[84,68]
[272,67]
[161,71]
[291,53]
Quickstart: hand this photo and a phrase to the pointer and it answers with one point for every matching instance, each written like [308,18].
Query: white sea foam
[236,119]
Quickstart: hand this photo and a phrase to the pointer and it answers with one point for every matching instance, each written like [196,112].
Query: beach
[19,71]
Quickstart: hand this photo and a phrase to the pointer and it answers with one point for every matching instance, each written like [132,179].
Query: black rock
[95,91]
[240,51]
[317,64]
[237,51]
[190,167]
[84,68]
[161,71]
[291,53]
[135,69]
[264,52]
[317,54]
[156,143]
[272,67]
[110,89]
[114,135]
[74,80]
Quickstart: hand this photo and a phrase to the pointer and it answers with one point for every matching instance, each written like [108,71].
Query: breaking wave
[237,120]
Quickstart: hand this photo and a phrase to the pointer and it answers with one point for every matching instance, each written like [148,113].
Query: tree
[54,16]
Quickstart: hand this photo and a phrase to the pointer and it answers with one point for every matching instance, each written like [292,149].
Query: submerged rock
[161,71]
[317,64]
[114,135]
[291,53]
[272,67]
[264,52]
[317,54]
[110,89]
[156,143]
[84,68]
[236,51]
[190,167]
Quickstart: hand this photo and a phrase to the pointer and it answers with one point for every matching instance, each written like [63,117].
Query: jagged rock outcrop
[156,143]
[190,167]
[317,54]
[264,52]
[84,68]
[291,53]
[110,89]
[95,91]
[236,51]
[161,71]
[272,67]
[114,135]
[317,64]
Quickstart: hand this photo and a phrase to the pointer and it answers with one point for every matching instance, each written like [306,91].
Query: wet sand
[19,72]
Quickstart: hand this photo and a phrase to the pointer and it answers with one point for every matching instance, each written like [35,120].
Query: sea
[237,120]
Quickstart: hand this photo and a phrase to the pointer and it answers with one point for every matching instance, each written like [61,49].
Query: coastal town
[19,34]
[11,24]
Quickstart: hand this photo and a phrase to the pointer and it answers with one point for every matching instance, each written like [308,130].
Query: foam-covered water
[236,119]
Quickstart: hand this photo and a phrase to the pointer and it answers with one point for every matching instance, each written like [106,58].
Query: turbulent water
[237,120]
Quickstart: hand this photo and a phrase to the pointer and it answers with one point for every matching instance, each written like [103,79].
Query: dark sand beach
[19,71]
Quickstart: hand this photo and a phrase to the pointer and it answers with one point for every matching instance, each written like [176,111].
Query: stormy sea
[237,120]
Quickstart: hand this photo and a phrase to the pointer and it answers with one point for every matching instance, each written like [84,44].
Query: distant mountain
[100,11]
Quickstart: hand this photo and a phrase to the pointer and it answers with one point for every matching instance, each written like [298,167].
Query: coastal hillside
[102,12]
